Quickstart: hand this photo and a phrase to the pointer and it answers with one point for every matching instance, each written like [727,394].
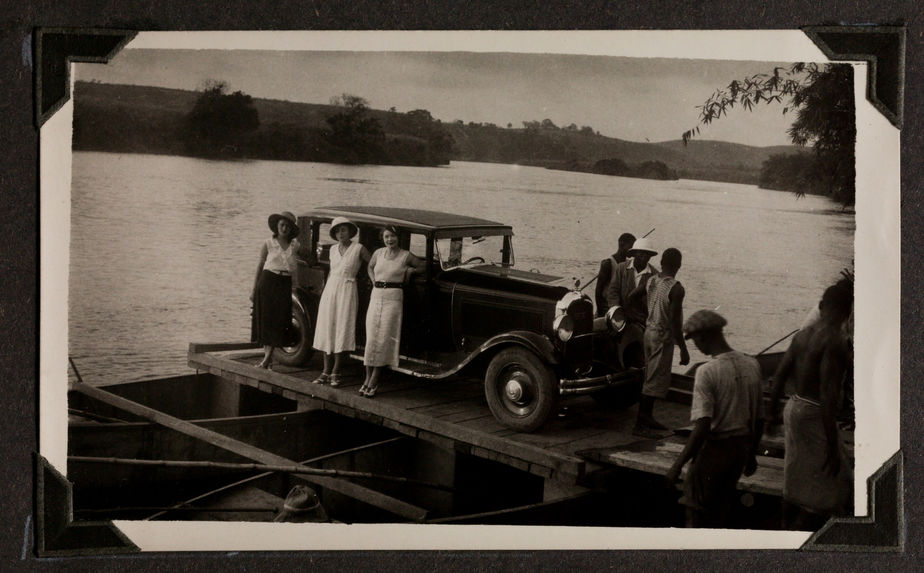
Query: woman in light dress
[272,288]
[389,268]
[335,332]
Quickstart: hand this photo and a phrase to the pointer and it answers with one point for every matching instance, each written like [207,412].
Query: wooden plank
[658,458]
[201,347]
[765,461]
[224,442]
[475,431]
[446,408]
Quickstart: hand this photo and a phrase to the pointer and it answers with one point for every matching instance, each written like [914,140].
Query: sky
[636,99]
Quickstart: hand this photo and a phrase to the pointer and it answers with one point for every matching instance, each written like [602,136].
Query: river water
[164,249]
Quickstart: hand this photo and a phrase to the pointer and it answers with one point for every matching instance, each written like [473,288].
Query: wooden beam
[370,496]
[199,347]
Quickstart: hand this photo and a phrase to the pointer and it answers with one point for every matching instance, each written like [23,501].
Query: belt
[280,273]
[382,284]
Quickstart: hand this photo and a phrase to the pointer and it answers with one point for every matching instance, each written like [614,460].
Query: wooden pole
[292,469]
[265,474]
[778,341]
[187,508]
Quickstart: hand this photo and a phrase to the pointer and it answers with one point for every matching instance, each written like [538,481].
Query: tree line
[223,124]
[219,123]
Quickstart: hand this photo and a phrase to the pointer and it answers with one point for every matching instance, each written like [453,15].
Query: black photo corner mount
[55,49]
[882,529]
[882,48]
[56,532]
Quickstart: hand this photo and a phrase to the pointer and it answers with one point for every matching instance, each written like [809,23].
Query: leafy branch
[821,97]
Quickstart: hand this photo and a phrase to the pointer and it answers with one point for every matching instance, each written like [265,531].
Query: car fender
[532,341]
[535,343]
[305,301]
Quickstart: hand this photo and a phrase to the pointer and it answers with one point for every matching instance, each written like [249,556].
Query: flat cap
[703,320]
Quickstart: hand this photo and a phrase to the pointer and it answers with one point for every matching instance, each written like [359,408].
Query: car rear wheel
[521,389]
[302,336]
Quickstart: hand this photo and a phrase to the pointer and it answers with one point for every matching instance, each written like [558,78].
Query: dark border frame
[19,233]
[882,530]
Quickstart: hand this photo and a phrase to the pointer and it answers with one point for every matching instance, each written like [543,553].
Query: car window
[322,249]
[470,251]
[418,245]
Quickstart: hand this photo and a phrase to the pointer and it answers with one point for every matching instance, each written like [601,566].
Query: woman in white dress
[389,268]
[335,331]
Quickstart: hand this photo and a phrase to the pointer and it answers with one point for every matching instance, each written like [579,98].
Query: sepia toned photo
[470,290]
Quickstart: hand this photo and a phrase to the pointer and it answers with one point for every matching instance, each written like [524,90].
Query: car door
[416,323]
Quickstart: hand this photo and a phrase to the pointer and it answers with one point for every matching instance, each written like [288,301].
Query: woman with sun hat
[335,331]
[272,289]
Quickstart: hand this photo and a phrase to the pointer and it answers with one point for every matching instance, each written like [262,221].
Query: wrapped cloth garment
[805,483]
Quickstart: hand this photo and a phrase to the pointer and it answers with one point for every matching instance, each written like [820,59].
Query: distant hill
[127,118]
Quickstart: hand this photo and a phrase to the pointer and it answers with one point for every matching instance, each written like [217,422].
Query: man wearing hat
[728,422]
[627,276]
[302,505]
[607,266]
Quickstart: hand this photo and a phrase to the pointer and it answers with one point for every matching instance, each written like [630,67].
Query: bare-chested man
[817,475]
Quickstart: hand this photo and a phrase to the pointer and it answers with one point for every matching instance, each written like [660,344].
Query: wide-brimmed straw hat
[701,321]
[288,216]
[643,245]
[302,506]
[342,221]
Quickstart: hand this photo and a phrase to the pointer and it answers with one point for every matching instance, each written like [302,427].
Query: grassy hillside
[127,118]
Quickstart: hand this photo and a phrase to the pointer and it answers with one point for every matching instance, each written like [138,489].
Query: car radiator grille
[579,351]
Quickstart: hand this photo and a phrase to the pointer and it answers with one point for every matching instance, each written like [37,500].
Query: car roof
[418,219]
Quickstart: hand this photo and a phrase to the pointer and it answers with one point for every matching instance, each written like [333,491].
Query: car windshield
[472,251]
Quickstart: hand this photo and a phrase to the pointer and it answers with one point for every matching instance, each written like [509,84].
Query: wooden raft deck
[453,413]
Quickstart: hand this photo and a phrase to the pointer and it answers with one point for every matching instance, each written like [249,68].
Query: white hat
[645,245]
[342,221]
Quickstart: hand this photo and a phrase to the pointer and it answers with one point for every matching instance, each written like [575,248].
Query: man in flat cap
[727,413]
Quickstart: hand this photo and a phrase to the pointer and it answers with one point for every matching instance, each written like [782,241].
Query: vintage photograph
[494,281]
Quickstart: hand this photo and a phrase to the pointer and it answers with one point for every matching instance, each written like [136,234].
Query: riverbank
[144,119]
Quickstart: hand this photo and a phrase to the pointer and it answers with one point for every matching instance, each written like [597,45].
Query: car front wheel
[521,389]
[301,334]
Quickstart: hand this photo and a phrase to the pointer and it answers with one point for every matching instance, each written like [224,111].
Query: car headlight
[564,327]
[616,318]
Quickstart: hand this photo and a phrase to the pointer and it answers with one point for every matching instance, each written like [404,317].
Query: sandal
[363,388]
[322,379]
[334,380]
[370,392]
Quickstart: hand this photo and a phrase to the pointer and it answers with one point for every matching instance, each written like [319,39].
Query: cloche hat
[342,221]
[643,245]
[288,216]
[702,320]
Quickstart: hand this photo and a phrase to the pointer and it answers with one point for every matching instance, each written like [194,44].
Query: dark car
[533,339]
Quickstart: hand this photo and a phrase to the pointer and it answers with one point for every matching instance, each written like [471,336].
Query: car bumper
[592,384]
